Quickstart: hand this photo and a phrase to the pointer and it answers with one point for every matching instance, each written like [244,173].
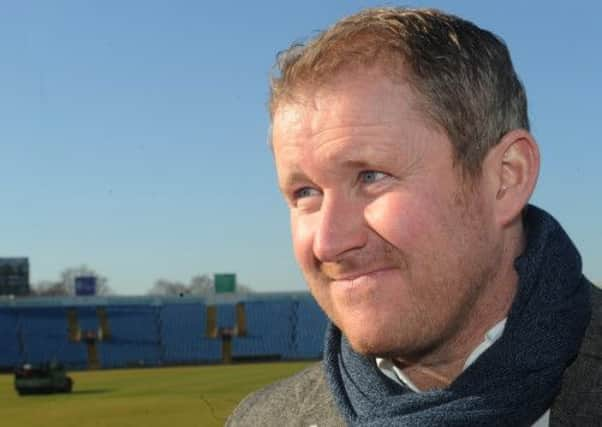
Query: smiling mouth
[352,276]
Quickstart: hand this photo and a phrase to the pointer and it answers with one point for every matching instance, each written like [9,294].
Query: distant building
[14,276]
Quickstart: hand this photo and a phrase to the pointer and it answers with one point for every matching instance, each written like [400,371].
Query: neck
[441,367]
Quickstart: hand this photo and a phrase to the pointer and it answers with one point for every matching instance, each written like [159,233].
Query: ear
[512,167]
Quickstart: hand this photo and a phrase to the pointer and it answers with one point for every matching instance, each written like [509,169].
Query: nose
[340,228]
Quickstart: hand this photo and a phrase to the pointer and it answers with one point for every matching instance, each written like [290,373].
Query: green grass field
[162,397]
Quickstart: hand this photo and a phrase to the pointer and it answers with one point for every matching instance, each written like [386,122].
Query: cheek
[397,218]
[302,232]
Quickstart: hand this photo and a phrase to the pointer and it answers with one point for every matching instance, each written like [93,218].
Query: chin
[371,347]
[368,341]
[373,340]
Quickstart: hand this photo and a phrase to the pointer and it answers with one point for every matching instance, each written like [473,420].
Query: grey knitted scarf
[512,383]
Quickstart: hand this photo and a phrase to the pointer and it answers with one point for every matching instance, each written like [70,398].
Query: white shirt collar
[388,368]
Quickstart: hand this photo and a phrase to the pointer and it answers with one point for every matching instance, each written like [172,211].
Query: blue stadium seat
[268,329]
[183,337]
[308,342]
[226,315]
[121,354]
[87,318]
[10,354]
[158,334]
[44,334]
[134,338]
[135,324]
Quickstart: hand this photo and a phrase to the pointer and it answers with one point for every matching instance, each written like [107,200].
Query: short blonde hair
[462,74]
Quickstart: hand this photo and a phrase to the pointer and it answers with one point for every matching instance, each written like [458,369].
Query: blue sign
[85,285]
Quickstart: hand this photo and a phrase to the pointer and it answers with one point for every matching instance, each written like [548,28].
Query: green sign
[225,282]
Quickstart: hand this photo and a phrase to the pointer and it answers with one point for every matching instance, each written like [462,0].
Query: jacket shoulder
[580,399]
[301,400]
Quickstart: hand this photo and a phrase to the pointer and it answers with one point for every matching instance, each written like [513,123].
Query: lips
[366,288]
[355,275]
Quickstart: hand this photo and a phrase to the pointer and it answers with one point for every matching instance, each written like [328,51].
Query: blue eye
[368,177]
[304,192]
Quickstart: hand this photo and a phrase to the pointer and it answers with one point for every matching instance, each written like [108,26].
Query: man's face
[394,248]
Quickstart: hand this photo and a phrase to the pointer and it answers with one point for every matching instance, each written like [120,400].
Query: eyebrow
[357,164]
[291,179]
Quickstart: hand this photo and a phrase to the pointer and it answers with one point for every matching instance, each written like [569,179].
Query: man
[402,145]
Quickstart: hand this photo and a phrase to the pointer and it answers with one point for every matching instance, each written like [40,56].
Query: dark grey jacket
[304,399]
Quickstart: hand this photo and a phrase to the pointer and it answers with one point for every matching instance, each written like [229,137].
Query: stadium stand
[114,332]
[10,351]
[87,318]
[308,332]
[268,334]
[226,316]
[45,338]
[183,335]
[133,336]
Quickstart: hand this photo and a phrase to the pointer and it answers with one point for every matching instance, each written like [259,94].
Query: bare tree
[49,288]
[243,289]
[200,285]
[65,286]
[167,287]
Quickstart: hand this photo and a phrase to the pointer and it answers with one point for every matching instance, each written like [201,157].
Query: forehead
[361,102]
[362,122]
[358,107]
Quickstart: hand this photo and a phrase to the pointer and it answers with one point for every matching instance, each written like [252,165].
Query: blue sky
[133,134]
